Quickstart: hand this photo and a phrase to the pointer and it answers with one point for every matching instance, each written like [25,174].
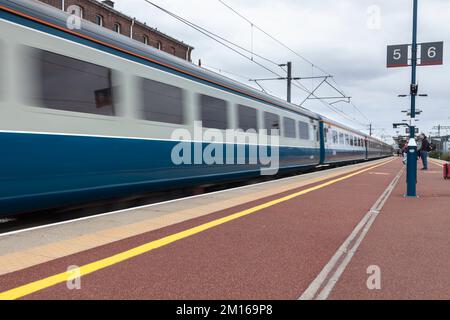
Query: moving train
[89,114]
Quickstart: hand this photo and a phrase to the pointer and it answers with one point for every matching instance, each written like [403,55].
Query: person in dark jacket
[424,150]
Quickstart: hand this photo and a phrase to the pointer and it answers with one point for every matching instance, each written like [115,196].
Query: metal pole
[370,129]
[412,146]
[289,80]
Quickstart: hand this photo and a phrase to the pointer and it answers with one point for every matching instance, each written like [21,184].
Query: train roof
[51,16]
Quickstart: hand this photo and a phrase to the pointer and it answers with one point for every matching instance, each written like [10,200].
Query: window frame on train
[303,127]
[341,138]
[209,104]
[151,96]
[335,136]
[246,113]
[266,118]
[289,128]
[48,88]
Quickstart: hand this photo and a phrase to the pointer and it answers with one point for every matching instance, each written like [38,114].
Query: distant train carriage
[343,144]
[89,114]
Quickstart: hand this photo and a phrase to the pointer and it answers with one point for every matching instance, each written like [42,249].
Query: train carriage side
[342,144]
[377,149]
[112,133]
[374,150]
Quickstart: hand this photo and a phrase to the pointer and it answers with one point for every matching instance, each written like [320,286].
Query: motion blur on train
[88,114]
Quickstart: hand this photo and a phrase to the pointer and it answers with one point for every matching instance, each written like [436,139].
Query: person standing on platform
[425,148]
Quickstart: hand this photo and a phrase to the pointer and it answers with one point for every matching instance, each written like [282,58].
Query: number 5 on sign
[397,56]
[431,53]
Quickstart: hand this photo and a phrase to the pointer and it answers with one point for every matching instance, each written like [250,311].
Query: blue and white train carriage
[89,114]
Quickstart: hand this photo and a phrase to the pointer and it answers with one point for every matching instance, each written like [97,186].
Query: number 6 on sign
[431,53]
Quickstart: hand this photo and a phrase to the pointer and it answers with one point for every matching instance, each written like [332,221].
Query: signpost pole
[412,146]
[289,81]
[432,53]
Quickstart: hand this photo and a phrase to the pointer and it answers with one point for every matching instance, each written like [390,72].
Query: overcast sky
[343,37]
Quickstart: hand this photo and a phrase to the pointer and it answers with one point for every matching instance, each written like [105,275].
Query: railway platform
[343,233]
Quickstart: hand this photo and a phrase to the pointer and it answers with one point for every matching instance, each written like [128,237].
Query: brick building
[104,14]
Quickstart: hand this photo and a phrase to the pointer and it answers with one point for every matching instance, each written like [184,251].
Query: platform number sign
[431,53]
[397,56]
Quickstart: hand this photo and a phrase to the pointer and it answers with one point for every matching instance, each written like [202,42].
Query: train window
[247,118]
[335,137]
[161,102]
[347,140]
[289,128]
[316,131]
[213,112]
[303,130]
[271,122]
[72,85]
[341,138]
[352,139]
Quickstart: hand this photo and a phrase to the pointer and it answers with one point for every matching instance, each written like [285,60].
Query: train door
[366,145]
[322,134]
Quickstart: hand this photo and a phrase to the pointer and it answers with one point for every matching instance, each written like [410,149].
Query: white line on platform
[164,202]
[312,292]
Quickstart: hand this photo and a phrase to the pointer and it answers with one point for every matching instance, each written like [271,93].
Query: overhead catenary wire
[313,65]
[227,43]
[221,70]
[214,36]
[232,46]
[351,102]
[274,38]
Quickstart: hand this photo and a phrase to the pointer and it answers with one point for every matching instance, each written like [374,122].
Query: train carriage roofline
[48,16]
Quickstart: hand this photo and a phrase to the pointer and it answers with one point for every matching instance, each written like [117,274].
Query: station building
[104,14]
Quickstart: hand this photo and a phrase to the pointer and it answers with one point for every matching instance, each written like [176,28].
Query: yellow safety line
[39,285]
